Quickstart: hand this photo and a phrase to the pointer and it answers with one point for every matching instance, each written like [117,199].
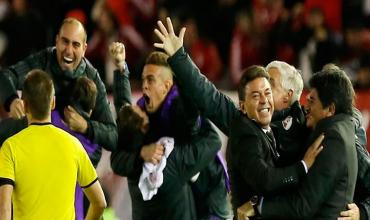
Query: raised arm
[11,80]
[212,104]
[121,83]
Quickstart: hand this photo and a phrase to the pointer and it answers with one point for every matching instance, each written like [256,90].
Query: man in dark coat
[65,62]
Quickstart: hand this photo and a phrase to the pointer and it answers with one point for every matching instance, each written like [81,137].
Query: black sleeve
[121,89]
[12,78]
[196,155]
[6,181]
[212,104]
[126,163]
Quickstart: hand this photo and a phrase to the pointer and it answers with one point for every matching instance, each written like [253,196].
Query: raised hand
[118,54]
[170,42]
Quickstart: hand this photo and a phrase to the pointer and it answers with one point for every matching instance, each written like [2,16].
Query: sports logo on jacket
[287,122]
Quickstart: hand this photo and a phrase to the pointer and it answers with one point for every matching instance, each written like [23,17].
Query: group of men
[290,163]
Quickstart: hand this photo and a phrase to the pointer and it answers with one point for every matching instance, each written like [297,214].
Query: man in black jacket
[65,62]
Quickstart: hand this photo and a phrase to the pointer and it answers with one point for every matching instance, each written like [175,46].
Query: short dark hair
[160,59]
[84,93]
[38,92]
[248,75]
[157,58]
[333,86]
[129,125]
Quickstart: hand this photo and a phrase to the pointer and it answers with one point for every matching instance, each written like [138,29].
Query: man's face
[258,103]
[154,87]
[281,97]
[315,110]
[70,46]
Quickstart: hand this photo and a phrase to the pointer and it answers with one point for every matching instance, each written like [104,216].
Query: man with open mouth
[65,63]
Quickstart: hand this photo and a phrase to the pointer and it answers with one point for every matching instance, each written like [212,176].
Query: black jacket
[174,199]
[330,183]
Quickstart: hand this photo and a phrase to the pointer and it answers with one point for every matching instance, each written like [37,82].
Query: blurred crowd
[223,36]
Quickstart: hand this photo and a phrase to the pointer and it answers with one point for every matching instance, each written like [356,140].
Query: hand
[152,153]
[17,109]
[118,54]
[74,120]
[245,211]
[170,42]
[312,152]
[353,213]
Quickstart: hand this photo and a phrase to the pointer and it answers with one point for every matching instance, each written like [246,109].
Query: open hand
[170,42]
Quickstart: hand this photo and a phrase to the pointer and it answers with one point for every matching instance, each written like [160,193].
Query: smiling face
[70,45]
[258,103]
[155,86]
[315,109]
[282,99]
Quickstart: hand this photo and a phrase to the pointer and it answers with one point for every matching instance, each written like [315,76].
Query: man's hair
[248,75]
[129,125]
[291,78]
[76,22]
[334,86]
[160,59]
[38,92]
[84,93]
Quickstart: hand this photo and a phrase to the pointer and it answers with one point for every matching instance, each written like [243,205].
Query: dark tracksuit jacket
[101,125]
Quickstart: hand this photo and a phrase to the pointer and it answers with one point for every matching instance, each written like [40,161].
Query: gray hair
[291,78]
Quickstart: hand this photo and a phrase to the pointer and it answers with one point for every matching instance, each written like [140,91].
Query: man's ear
[168,84]
[331,109]
[52,104]
[288,96]
[242,106]
[25,106]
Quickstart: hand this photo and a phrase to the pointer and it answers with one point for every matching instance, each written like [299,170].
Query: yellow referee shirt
[45,162]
